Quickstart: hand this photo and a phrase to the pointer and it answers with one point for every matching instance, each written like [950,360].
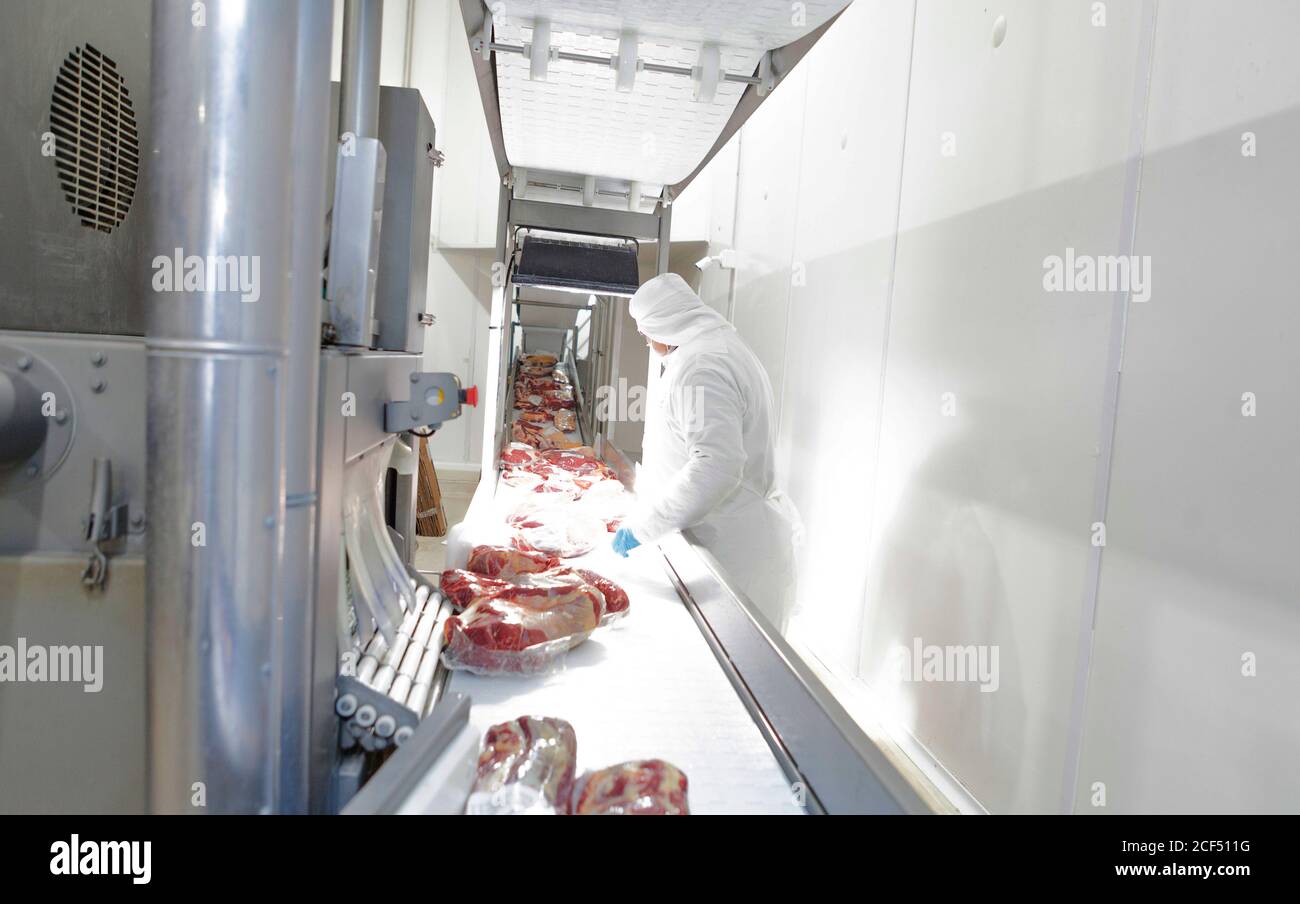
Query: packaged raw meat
[518,454]
[638,788]
[528,434]
[499,635]
[529,385]
[516,567]
[462,588]
[539,359]
[554,400]
[565,419]
[616,598]
[524,480]
[579,460]
[544,526]
[553,438]
[557,489]
[536,417]
[606,500]
[507,564]
[526,768]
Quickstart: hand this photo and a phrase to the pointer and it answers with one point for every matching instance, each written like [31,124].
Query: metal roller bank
[213,323]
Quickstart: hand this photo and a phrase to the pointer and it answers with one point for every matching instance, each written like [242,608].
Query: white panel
[576,121]
[1200,565]
[459,291]
[466,195]
[766,204]
[981,525]
[392,48]
[844,243]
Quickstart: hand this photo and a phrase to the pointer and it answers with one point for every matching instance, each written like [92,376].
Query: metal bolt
[346,706]
[61,417]
[385,726]
[415,378]
[24,363]
[33,469]
[97,385]
[137,520]
[98,359]
[403,734]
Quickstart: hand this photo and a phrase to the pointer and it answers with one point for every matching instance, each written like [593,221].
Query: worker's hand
[624,541]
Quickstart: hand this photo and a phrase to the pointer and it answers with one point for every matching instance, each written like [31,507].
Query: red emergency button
[469,396]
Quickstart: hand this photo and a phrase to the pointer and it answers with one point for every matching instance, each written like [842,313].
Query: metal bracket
[435,398]
[369,718]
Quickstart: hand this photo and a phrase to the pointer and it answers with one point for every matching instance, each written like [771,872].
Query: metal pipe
[363,25]
[310,731]
[221,172]
[665,238]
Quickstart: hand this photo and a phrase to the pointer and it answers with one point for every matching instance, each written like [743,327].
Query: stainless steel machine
[212,313]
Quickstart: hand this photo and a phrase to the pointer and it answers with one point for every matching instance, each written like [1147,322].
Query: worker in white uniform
[708,462]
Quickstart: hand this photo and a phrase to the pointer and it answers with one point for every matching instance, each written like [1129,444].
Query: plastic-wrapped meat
[563,532]
[532,385]
[555,439]
[616,598]
[565,419]
[526,768]
[553,400]
[507,564]
[638,788]
[539,359]
[528,434]
[557,489]
[518,567]
[574,461]
[536,417]
[518,454]
[522,630]
[533,400]
[606,500]
[463,587]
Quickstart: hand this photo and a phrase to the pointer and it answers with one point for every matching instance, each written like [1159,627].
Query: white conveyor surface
[646,686]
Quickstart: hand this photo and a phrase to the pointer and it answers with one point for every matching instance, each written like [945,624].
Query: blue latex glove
[625,541]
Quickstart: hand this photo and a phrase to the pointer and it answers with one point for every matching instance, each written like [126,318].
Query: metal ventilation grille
[96,142]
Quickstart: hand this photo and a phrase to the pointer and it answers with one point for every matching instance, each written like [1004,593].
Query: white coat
[708,459]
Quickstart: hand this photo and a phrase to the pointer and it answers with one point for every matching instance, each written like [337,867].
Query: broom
[430,519]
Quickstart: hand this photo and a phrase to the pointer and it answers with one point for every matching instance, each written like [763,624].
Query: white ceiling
[577,122]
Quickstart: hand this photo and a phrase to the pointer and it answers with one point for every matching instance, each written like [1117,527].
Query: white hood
[668,311]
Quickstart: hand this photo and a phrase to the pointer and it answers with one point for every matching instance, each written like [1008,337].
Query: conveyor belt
[646,686]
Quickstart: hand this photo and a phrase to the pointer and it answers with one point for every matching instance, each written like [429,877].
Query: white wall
[1200,568]
[463,227]
[879,274]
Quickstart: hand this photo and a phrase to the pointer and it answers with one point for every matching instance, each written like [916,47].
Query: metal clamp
[106,523]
